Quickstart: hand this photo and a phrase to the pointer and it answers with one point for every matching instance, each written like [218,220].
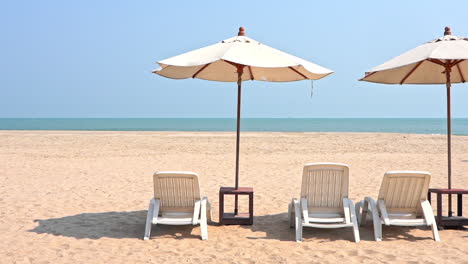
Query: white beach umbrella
[257,61]
[440,61]
[238,59]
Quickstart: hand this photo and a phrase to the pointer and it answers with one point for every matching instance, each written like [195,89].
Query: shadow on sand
[110,225]
[275,226]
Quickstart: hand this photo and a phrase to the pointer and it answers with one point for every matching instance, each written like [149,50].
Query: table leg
[450,205]
[439,209]
[236,205]
[221,208]
[251,208]
[459,204]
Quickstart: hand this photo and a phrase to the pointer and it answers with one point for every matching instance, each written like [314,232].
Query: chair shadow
[109,225]
[393,233]
[276,227]
[132,224]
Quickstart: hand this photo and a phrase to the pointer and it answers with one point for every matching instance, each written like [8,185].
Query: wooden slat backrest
[324,185]
[403,191]
[176,189]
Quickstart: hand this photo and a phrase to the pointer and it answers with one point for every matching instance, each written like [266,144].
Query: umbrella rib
[437,62]
[233,63]
[296,71]
[251,73]
[200,70]
[411,72]
[455,63]
[461,74]
[367,74]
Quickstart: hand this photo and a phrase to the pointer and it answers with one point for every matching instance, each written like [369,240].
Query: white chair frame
[299,215]
[201,214]
[381,216]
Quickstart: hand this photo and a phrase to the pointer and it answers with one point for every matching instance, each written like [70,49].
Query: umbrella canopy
[238,59]
[426,64]
[440,61]
[264,63]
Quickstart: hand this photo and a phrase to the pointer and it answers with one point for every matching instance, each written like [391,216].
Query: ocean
[388,125]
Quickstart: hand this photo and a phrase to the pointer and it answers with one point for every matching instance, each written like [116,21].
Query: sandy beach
[81,197]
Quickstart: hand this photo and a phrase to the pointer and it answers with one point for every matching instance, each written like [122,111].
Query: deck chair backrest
[176,190]
[324,185]
[403,191]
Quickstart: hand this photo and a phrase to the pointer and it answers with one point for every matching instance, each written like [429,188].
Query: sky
[94,58]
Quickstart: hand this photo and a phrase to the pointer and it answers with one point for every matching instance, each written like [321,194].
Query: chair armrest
[305,210]
[346,210]
[156,205]
[297,211]
[352,210]
[297,219]
[368,201]
[196,212]
[427,212]
[203,218]
[373,206]
[208,204]
[383,211]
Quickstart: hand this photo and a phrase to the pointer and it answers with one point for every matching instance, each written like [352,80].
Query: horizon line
[345,117]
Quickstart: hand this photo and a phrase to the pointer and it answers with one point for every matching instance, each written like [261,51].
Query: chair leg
[430,219]
[208,209]
[196,212]
[298,220]
[291,214]
[155,211]
[375,218]
[352,210]
[435,231]
[203,220]
[363,214]
[149,219]
[378,233]
[357,211]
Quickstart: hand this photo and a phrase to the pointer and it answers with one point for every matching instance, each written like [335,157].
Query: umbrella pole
[240,70]
[449,137]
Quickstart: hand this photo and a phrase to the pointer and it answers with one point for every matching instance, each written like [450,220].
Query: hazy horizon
[384,125]
[249,117]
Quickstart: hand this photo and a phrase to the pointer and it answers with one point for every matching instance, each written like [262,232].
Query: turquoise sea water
[391,125]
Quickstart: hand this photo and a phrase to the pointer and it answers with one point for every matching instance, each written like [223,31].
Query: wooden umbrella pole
[449,137]
[240,70]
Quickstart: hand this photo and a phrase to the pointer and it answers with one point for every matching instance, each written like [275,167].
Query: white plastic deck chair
[324,200]
[177,202]
[402,201]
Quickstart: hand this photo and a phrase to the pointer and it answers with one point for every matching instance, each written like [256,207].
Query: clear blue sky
[94,58]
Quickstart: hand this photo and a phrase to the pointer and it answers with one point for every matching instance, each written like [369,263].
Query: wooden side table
[235,218]
[450,220]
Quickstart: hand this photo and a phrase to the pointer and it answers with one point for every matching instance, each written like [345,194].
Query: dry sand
[81,197]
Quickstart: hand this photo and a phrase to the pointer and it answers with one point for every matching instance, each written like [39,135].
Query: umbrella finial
[241,32]
[447,31]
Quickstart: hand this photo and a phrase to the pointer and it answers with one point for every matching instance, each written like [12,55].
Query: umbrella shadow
[276,227]
[108,225]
